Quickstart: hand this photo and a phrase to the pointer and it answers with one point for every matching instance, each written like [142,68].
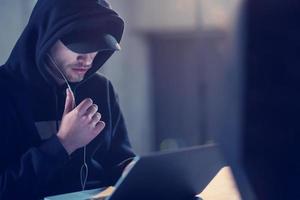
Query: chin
[75,80]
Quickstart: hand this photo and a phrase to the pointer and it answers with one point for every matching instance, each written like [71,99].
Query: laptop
[174,175]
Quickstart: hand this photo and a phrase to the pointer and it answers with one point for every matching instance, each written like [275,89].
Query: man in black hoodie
[55,140]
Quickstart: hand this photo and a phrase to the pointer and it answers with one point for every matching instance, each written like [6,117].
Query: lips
[80,69]
[80,72]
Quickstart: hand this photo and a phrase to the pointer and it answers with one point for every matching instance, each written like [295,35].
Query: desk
[222,187]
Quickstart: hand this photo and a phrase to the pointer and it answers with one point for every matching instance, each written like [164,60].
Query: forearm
[26,178]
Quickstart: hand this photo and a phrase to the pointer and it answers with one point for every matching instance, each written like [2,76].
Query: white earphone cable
[84,170]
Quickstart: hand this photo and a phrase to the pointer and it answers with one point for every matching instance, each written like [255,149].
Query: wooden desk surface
[222,187]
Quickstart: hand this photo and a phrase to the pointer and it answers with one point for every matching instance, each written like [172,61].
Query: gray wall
[13,17]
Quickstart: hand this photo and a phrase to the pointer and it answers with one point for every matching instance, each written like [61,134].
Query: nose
[86,59]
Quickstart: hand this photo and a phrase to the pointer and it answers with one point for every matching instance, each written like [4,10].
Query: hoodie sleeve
[24,176]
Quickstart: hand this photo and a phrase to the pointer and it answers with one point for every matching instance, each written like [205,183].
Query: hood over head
[53,20]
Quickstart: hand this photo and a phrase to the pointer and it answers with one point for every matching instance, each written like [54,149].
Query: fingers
[95,119]
[70,101]
[91,111]
[99,127]
[71,97]
[84,106]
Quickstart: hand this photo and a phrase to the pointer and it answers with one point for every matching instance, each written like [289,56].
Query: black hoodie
[33,163]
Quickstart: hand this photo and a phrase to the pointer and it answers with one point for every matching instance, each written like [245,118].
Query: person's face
[73,65]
